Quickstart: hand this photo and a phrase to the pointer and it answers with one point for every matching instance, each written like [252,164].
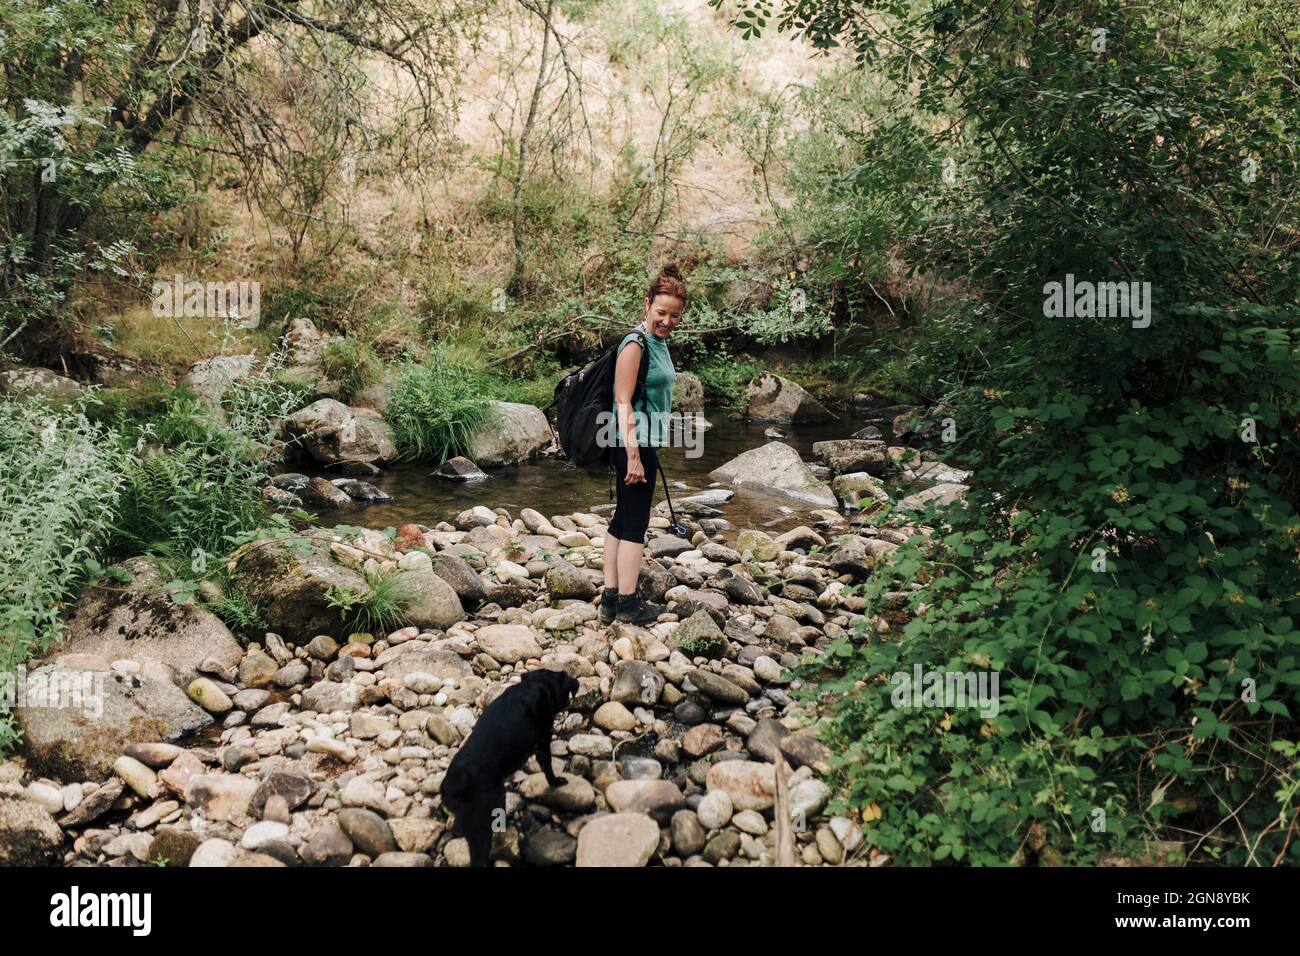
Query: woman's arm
[626,371]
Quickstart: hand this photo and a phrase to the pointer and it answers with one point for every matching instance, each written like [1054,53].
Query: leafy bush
[352,365]
[436,404]
[59,481]
[1126,558]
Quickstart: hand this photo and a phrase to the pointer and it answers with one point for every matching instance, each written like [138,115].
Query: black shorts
[632,513]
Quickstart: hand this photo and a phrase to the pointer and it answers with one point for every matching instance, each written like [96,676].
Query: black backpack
[581,398]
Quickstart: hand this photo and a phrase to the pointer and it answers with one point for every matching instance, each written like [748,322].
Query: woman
[638,433]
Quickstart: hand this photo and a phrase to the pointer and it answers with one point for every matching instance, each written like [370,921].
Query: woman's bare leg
[611,561]
[629,565]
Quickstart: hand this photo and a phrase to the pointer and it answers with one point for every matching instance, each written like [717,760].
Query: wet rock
[772,398]
[360,490]
[510,433]
[319,493]
[459,468]
[549,847]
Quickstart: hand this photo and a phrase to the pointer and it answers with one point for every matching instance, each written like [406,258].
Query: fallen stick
[784,835]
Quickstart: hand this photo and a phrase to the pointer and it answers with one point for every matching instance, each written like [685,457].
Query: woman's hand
[635,470]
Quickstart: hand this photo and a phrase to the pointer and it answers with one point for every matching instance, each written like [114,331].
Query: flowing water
[554,486]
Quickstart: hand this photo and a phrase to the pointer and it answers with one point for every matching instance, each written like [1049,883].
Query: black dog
[516,724]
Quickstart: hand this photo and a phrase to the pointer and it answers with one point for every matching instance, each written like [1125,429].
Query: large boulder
[771,398]
[23,381]
[848,455]
[140,620]
[209,379]
[776,468]
[509,433]
[331,432]
[941,495]
[76,723]
[288,580]
[428,600]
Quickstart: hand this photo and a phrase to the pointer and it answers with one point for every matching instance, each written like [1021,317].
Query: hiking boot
[633,610]
[608,605]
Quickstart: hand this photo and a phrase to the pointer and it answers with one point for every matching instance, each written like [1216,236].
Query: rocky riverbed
[321,746]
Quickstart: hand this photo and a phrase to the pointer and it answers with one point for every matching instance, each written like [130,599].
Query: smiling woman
[639,432]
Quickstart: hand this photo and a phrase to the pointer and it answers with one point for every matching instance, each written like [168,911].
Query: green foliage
[239,612]
[379,610]
[1156,693]
[436,404]
[58,485]
[352,365]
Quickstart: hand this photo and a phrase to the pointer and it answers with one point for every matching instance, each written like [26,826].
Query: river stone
[419,657]
[698,631]
[618,839]
[765,739]
[636,683]
[331,433]
[702,739]
[416,834]
[367,831]
[612,715]
[294,788]
[289,584]
[776,468]
[688,835]
[462,577]
[175,847]
[940,495]
[738,588]
[773,398]
[359,490]
[563,580]
[214,852]
[758,543]
[575,795]
[71,744]
[28,834]
[509,433]
[804,751]
[319,493]
[93,805]
[459,468]
[399,859]
[657,798]
[209,696]
[549,847]
[508,643]
[749,784]
[430,602]
[328,846]
[668,546]
[140,620]
[327,696]
[848,455]
[723,846]
[220,796]
[714,810]
[808,797]
[718,687]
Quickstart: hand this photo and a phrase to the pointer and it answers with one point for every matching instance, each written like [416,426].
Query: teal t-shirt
[656,400]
